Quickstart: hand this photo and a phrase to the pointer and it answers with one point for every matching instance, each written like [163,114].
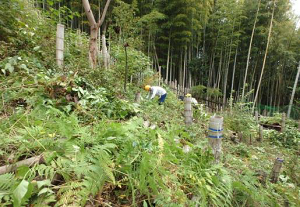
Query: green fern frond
[6,181]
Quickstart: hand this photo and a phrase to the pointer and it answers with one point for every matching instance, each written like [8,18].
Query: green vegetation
[98,147]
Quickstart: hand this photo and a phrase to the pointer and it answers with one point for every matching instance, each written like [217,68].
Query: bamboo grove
[243,50]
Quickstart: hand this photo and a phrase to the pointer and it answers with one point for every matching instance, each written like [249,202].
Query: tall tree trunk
[217,84]
[293,93]
[249,51]
[233,72]
[184,67]
[227,68]
[168,59]
[99,30]
[126,68]
[94,26]
[171,68]
[264,62]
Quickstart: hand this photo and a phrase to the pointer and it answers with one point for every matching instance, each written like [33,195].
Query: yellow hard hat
[147,87]
[188,95]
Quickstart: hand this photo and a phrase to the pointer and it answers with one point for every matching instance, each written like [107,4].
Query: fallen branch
[28,162]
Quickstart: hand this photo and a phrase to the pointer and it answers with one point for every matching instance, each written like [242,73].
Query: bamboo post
[283,122]
[276,170]
[261,133]
[188,113]
[159,75]
[60,45]
[256,116]
[137,97]
[215,134]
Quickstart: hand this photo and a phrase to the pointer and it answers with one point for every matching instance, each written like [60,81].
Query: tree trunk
[227,69]
[264,62]
[168,59]
[219,72]
[126,68]
[184,67]
[293,93]
[94,26]
[233,72]
[249,51]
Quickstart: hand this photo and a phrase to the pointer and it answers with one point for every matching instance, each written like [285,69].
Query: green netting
[295,112]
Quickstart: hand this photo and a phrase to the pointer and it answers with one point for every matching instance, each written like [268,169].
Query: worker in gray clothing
[156,91]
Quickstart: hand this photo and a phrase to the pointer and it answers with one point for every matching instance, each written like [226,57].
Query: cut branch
[28,162]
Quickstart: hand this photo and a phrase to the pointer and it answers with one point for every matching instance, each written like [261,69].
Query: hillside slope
[96,147]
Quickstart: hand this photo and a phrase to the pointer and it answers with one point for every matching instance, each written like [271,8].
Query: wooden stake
[60,45]
[276,170]
[159,75]
[240,136]
[188,113]
[261,133]
[138,97]
[216,145]
[283,122]
[256,116]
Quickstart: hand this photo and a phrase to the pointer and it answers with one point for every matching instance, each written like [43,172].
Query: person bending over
[156,91]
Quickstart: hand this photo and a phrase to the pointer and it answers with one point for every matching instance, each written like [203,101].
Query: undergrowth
[100,148]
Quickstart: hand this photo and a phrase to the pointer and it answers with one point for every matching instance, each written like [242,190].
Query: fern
[69,194]
[6,182]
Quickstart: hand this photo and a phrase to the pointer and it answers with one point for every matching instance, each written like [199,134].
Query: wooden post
[159,75]
[261,133]
[138,97]
[240,137]
[283,122]
[276,170]
[256,116]
[60,45]
[215,134]
[264,112]
[188,113]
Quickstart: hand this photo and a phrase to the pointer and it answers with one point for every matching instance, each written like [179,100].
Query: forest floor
[99,148]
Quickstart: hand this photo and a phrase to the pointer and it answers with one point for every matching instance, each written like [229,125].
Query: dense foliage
[98,147]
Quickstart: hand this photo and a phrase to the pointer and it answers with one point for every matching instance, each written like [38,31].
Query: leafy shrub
[199,92]
[290,138]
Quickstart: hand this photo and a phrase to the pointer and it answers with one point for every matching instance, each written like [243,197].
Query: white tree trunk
[264,62]
[168,60]
[233,72]
[184,68]
[293,93]
[93,48]
[249,51]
